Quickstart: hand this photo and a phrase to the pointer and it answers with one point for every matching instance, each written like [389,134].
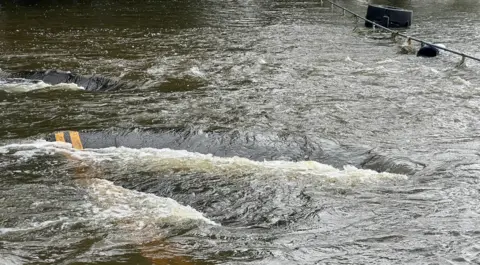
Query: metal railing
[397,33]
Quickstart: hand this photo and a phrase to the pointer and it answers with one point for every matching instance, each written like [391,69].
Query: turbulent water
[273,132]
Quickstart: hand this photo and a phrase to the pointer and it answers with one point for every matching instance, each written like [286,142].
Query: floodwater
[284,135]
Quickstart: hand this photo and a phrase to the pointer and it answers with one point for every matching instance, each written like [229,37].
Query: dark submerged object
[428,51]
[388,16]
[54,77]
[252,145]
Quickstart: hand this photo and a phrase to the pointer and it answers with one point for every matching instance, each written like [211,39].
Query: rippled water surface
[273,132]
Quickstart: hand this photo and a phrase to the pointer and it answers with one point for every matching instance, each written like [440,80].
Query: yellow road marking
[75,138]
[59,137]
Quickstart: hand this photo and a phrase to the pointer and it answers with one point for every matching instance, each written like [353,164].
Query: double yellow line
[74,139]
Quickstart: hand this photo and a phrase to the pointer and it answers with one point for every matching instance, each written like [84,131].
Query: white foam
[110,202]
[165,160]
[460,81]
[131,216]
[349,60]
[195,71]
[23,85]
[378,70]
[28,149]
[135,210]
[67,86]
[388,61]
[156,70]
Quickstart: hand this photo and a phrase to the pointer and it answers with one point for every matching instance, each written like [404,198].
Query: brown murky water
[278,135]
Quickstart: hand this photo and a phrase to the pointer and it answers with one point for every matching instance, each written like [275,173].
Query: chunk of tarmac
[252,145]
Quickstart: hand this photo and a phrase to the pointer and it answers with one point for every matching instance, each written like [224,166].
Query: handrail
[395,33]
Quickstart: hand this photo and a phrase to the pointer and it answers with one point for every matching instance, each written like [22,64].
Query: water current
[274,132]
